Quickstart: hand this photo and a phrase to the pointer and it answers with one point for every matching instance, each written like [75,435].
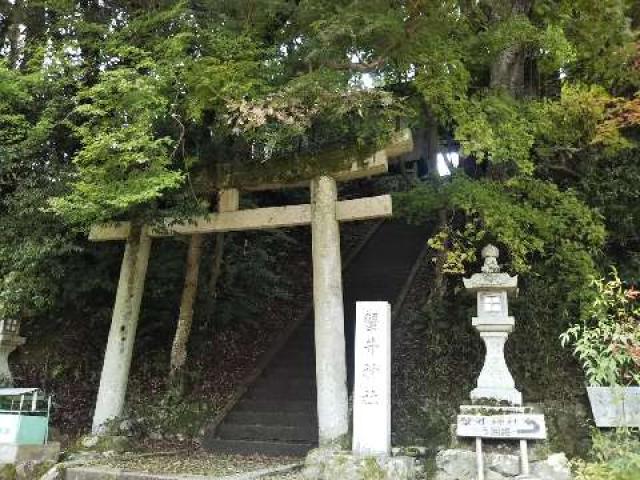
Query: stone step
[249,447]
[284,383]
[304,335]
[272,418]
[297,355]
[289,378]
[298,349]
[301,377]
[281,433]
[294,361]
[286,367]
[267,392]
[300,345]
[280,405]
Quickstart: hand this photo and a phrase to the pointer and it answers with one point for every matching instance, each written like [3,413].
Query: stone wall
[460,464]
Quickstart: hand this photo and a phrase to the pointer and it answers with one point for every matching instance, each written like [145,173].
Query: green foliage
[615,456]
[578,123]
[549,45]
[8,471]
[496,128]
[171,414]
[124,164]
[534,220]
[230,73]
[250,264]
[607,340]
[609,182]
[312,113]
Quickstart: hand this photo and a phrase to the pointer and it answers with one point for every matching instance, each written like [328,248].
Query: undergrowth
[614,456]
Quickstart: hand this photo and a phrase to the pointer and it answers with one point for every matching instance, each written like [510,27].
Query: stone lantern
[493,289]
[10,339]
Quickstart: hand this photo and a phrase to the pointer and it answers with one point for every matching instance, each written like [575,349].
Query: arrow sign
[519,426]
[535,427]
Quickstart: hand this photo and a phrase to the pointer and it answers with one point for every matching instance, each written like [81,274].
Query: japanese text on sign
[515,426]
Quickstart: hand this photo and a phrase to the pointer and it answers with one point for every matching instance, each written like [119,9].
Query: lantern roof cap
[491,278]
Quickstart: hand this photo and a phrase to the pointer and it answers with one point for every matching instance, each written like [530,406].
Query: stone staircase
[277,414]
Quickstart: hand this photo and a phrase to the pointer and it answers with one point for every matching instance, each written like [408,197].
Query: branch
[357,67]
[564,169]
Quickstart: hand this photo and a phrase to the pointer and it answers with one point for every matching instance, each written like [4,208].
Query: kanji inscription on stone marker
[371,321]
[372,389]
[512,426]
[371,345]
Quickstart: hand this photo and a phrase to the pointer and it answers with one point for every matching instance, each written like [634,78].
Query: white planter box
[615,406]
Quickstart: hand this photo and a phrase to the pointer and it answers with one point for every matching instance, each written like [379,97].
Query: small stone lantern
[10,339]
[493,288]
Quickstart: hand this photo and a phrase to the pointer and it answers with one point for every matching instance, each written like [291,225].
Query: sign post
[510,426]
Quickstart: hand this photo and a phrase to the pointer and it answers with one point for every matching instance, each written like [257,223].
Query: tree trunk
[216,272]
[433,145]
[508,70]
[15,20]
[185,319]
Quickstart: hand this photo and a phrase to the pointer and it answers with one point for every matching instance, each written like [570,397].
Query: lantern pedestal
[8,343]
[495,381]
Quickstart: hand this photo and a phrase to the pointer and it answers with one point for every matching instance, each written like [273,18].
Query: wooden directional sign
[513,426]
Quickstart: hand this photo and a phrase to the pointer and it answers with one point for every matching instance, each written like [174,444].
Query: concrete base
[327,464]
[14,454]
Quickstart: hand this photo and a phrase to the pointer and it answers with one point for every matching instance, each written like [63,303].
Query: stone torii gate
[324,214]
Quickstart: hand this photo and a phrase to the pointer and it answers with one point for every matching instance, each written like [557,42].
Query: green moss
[370,470]
[292,169]
[8,472]
[106,443]
[344,442]
[42,468]
[341,460]
[492,402]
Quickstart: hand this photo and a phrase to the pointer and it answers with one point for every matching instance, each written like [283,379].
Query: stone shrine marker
[372,389]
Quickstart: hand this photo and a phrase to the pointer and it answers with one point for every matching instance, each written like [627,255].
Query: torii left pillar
[126,311]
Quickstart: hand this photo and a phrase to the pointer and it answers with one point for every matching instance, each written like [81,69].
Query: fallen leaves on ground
[195,463]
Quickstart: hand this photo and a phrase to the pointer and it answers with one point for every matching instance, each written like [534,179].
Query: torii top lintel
[342,164]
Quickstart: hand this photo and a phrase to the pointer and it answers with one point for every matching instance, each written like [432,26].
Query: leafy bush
[615,456]
[607,340]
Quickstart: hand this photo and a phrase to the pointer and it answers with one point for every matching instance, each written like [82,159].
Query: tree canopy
[130,110]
